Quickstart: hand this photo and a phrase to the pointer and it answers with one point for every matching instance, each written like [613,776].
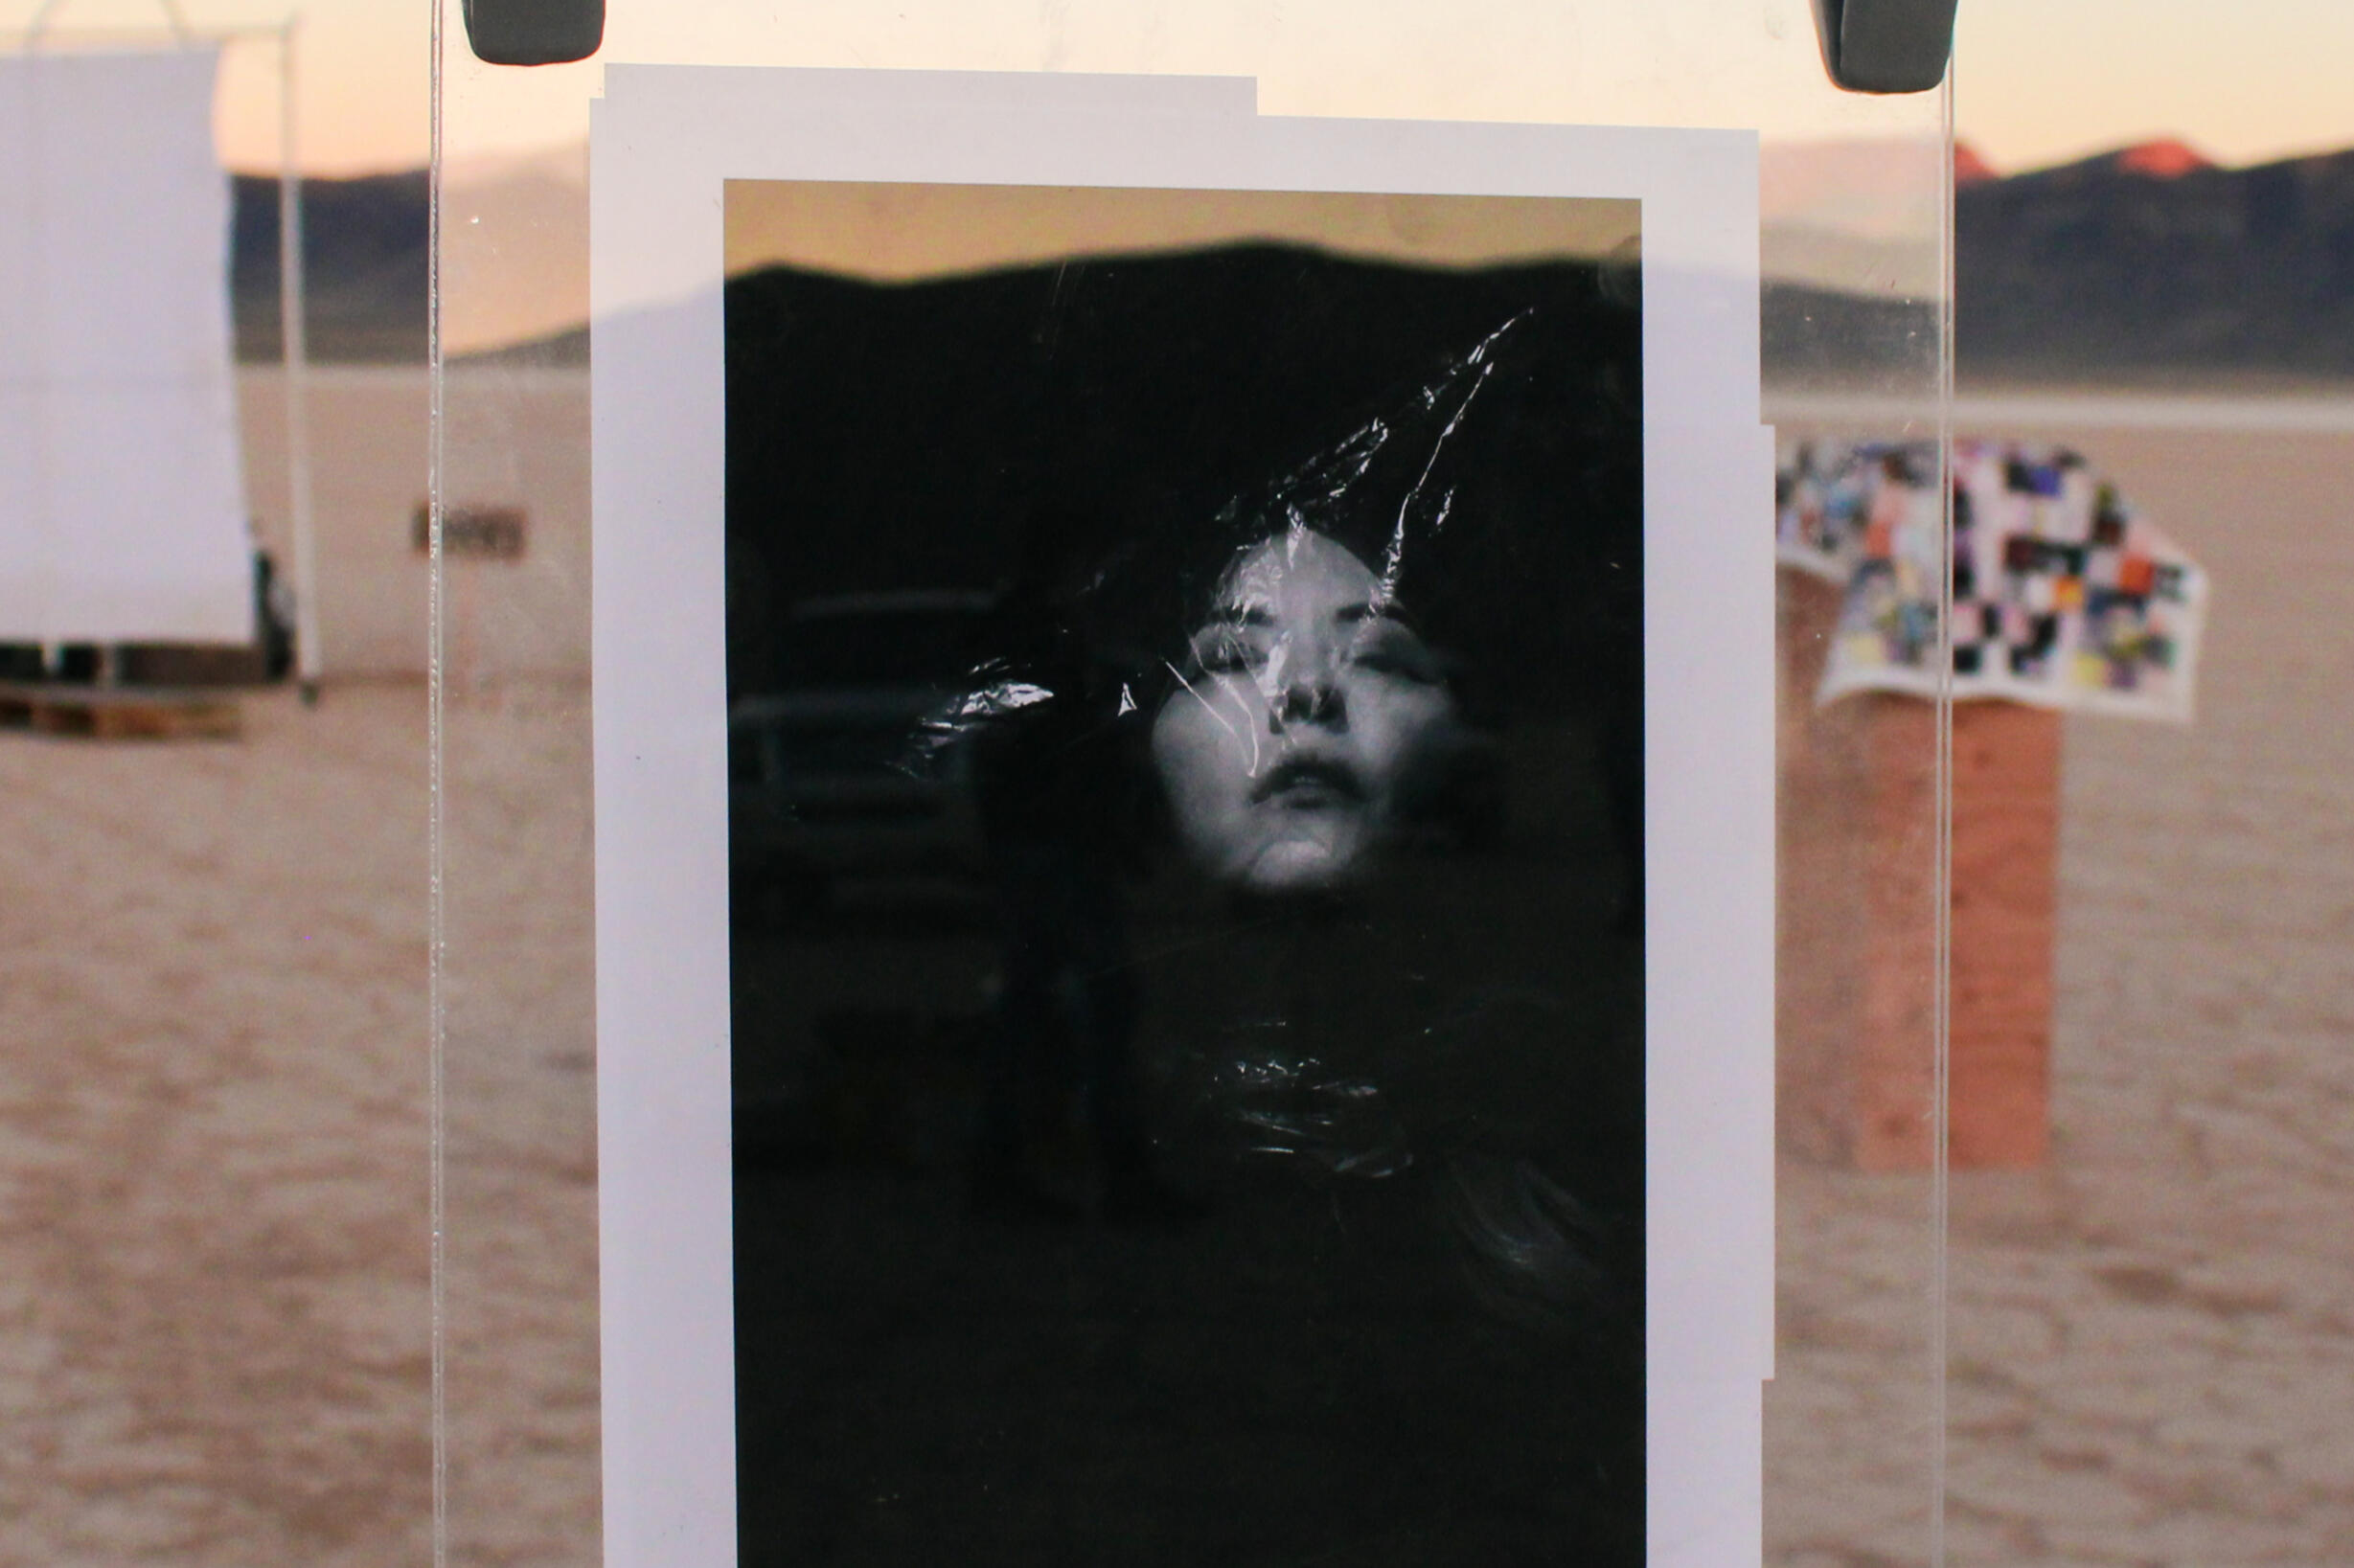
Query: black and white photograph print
[1186,841]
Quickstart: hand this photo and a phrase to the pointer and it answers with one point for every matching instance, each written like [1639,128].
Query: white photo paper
[1184,805]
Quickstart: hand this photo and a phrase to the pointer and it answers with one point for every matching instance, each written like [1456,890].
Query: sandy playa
[213,1135]
[2150,1346]
[2154,1342]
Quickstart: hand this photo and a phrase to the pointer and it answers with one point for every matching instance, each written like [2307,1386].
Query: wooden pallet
[118,713]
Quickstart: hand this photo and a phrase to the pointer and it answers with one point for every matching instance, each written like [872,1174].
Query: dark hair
[1451,488]
[909,436]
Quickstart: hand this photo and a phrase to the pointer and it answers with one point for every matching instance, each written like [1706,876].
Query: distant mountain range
[364,267]
[2141,264]
[2152,261]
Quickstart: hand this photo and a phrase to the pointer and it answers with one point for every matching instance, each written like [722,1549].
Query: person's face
[1307,715]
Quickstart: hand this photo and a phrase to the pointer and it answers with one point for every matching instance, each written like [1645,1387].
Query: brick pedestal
[1857,911]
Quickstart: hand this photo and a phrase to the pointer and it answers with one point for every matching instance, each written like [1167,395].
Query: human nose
[1308,695]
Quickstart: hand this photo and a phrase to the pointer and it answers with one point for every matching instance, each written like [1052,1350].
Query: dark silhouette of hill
[1822,337]
[2145,265]
[2138,264]
[2098,268]
[930,423]
[364,266]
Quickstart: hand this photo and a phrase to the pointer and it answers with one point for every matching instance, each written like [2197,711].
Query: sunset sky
[2038,80]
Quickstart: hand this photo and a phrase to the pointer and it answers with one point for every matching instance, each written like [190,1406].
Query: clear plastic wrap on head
[1297,686]
[1309,719]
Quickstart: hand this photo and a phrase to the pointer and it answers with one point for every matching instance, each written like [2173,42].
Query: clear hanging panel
[1188,767]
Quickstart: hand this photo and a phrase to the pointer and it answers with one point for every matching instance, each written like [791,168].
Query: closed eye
[1222,651]
[1389,648]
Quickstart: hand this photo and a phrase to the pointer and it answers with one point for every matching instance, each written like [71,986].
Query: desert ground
[216,1129]
[2146,1342]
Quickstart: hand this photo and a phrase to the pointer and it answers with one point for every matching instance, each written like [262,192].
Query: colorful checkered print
[2062,596]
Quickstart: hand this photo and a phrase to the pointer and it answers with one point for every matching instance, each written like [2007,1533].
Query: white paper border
[663,141]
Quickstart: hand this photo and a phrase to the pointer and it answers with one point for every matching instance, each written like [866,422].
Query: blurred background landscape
[214,1120]
[2134,267]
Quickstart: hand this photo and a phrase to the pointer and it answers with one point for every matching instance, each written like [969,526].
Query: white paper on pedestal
[123,513]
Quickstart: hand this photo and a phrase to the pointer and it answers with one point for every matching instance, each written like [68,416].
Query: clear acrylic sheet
[872,964]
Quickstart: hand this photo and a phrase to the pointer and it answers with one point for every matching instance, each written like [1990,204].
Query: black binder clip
[1885,46]
[534,32]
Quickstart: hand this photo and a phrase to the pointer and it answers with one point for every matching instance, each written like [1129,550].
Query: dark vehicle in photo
[828,780]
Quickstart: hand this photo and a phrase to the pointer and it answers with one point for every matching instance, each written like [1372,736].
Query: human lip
[1307,783]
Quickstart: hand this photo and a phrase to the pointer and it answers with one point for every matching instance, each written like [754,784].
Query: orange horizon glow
[2036,85]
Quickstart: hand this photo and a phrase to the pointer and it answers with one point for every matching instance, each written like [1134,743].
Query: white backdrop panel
[122,496]
[24,550]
